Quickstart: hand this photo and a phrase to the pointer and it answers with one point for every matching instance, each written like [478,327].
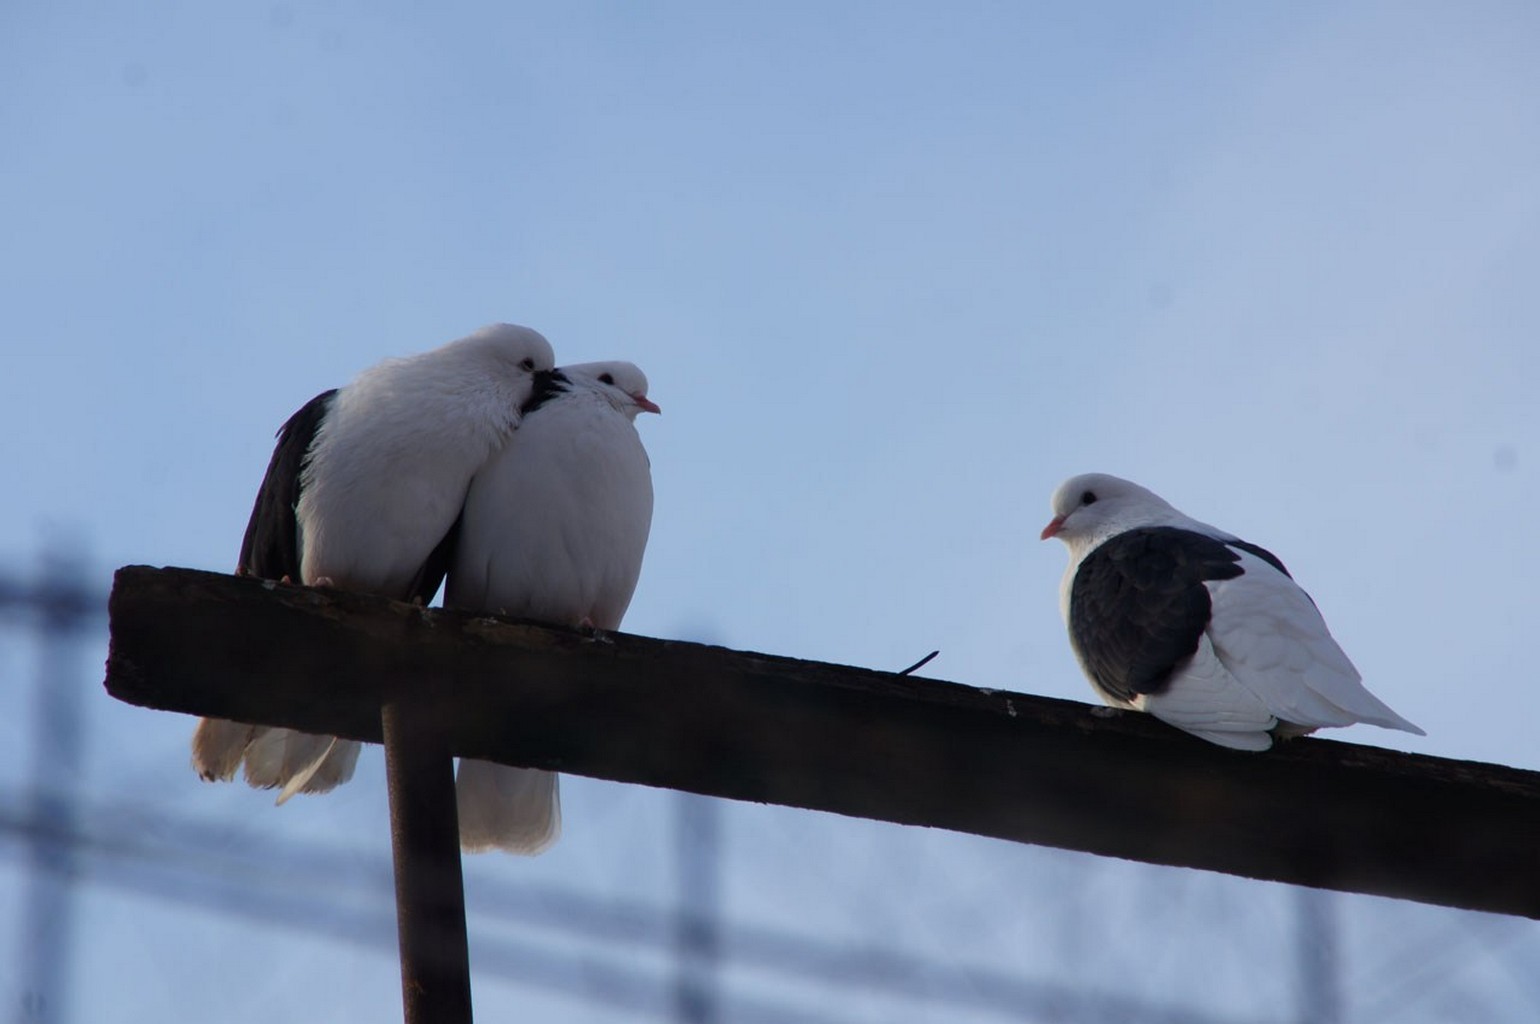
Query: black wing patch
[431,576]
[270,548]
[1138,605]
[1262,553]
[547,385]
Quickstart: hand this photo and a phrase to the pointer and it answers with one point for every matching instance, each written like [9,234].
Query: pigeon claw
[595,635]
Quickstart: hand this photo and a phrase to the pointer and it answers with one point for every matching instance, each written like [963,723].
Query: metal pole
[430,892]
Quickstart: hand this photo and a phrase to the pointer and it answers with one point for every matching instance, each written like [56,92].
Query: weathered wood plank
[828,737]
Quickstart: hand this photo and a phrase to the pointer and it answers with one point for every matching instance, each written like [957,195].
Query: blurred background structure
[894,271]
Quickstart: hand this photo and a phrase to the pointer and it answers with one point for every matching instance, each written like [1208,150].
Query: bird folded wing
[1204,699]
[1272,638]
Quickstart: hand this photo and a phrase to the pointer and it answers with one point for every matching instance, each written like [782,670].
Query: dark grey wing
[270,548]
[431,576]
[1262,553]
[1138,605]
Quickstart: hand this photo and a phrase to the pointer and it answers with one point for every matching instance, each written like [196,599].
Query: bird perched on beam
[554,529]
[1195,626]
[364,492]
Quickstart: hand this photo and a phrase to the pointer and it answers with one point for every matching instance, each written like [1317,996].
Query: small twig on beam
[919,664]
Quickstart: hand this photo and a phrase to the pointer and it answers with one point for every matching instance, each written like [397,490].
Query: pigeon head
[511,349]
[1089,508]
[501,363]
[621,384]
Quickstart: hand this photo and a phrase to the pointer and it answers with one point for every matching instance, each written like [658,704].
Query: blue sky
[894,271]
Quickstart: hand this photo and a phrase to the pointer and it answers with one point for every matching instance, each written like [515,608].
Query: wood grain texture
[833,738]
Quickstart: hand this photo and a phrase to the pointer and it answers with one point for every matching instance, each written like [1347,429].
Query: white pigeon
[554,530]
[1195,626]
[364,492]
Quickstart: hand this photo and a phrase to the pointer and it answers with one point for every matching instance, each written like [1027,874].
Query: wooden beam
[853,741]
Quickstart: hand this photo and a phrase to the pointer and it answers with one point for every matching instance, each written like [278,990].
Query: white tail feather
[264,758]
[337,768]
[301,779]
[218,746]
[298,762]
[512,809]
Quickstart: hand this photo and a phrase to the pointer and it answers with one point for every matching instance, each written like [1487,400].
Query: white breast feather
[556,524]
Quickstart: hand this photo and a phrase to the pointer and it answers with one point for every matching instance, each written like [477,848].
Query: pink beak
[647,404]
[1052,529]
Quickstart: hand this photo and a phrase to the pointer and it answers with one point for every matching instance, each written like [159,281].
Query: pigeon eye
[1088,498]
[527,364]
[606,378]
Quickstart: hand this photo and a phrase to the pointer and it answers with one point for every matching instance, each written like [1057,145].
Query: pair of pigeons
[529,487]
[523,485]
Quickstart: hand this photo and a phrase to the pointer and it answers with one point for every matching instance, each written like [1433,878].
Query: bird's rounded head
[1091,507]
[620,383]
[519,349]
